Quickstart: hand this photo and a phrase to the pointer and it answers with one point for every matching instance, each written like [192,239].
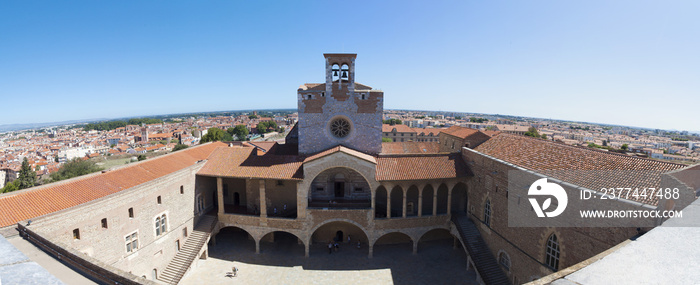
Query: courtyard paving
[283,262]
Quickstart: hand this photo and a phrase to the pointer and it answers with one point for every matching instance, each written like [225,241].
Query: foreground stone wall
[108,244]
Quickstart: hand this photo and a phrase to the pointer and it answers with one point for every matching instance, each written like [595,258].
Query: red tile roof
[30,203]
[409,147]
[386,128]
[551,158]
[421,167]
[460,132]
[342,149]
[243,162]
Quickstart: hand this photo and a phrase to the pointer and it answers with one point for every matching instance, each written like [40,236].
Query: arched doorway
[281,243]
[339,231]
[397,202]
[412,201]
[459,199]
[232,240]
[437,238]
[428,200]
[442,199]
[396,243]
[380,203]
[340,187]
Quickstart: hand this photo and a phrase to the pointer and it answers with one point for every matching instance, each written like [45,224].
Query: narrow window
[163,224]
[182,189]
[104,223]
[552,252]
[131,212]
[184,232]
[76,234]
[157,226]
[159,200]
[280,182]
[487,213]
[132,242]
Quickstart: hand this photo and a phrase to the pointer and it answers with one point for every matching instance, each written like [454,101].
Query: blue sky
[619,62]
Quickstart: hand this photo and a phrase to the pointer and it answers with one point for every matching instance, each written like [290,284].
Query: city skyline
[609,63]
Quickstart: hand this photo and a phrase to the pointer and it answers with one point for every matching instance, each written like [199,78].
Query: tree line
[111,125]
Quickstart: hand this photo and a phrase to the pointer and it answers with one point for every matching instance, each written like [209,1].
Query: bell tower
[340,111]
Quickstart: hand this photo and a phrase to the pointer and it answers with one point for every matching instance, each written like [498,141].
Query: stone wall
[108,244]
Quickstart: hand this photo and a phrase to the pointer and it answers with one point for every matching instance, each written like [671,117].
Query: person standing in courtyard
[330,247]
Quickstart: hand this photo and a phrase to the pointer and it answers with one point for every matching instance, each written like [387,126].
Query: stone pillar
[257,246]
[449,202]
[435,192]
[307,248]
[388,202]
[371,250]
[415,247]
[420,203]
[263,202]
[404,204]
[220,194]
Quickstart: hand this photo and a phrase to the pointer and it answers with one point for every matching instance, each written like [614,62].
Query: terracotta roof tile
[386,128]
[551,158]
[30,203]
[343,149]
[421,167]
[460,132]
[409,147]
[243,162]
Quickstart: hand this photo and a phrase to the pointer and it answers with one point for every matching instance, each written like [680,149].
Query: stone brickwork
[108,244]
[320,105]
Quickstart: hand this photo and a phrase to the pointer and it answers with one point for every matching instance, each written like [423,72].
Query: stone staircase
[189,251]
[484,262]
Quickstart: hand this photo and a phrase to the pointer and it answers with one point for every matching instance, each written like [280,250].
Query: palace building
[151,222]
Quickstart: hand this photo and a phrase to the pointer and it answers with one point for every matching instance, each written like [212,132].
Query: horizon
[600,63]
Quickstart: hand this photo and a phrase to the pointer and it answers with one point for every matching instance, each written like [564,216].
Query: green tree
[458,117]
[605,143]
[179,147]
[386,140]
[532,132]
[544,136]
[74,168]
[266,127]
[27,177]
[213,135]
[393,122]
[9,187]
[239,131]
[625,147]
[252,117]
[141,157]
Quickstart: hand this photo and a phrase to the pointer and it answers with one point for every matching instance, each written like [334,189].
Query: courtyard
[283,262]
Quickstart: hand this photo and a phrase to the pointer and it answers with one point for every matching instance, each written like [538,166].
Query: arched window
[157,226]
[163,224]
[504,260]
[552,252]
[487,213]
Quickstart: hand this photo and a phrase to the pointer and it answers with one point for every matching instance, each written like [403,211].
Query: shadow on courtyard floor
[436,262]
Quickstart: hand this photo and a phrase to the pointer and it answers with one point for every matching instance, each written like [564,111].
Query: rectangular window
[159,200]
[280,182]
[76,234]
[184,232]
[161,225]
[131,212]
[182,189]
[104,223]
[132,242]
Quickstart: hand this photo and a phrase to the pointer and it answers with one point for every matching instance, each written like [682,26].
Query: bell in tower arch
[345,75]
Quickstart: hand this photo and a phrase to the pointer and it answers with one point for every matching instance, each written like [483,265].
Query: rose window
[340,128]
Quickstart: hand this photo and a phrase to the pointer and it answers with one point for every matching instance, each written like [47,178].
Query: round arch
[340,185]
[412,201]
[380,199]
[398,242]
[329,230]
[233,236]
[436,235]
[459,198]
[442,193]
[396,197]
[282,241]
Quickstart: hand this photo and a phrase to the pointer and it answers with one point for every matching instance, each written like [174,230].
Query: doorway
[339,189]
[338,236]
[236,198]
